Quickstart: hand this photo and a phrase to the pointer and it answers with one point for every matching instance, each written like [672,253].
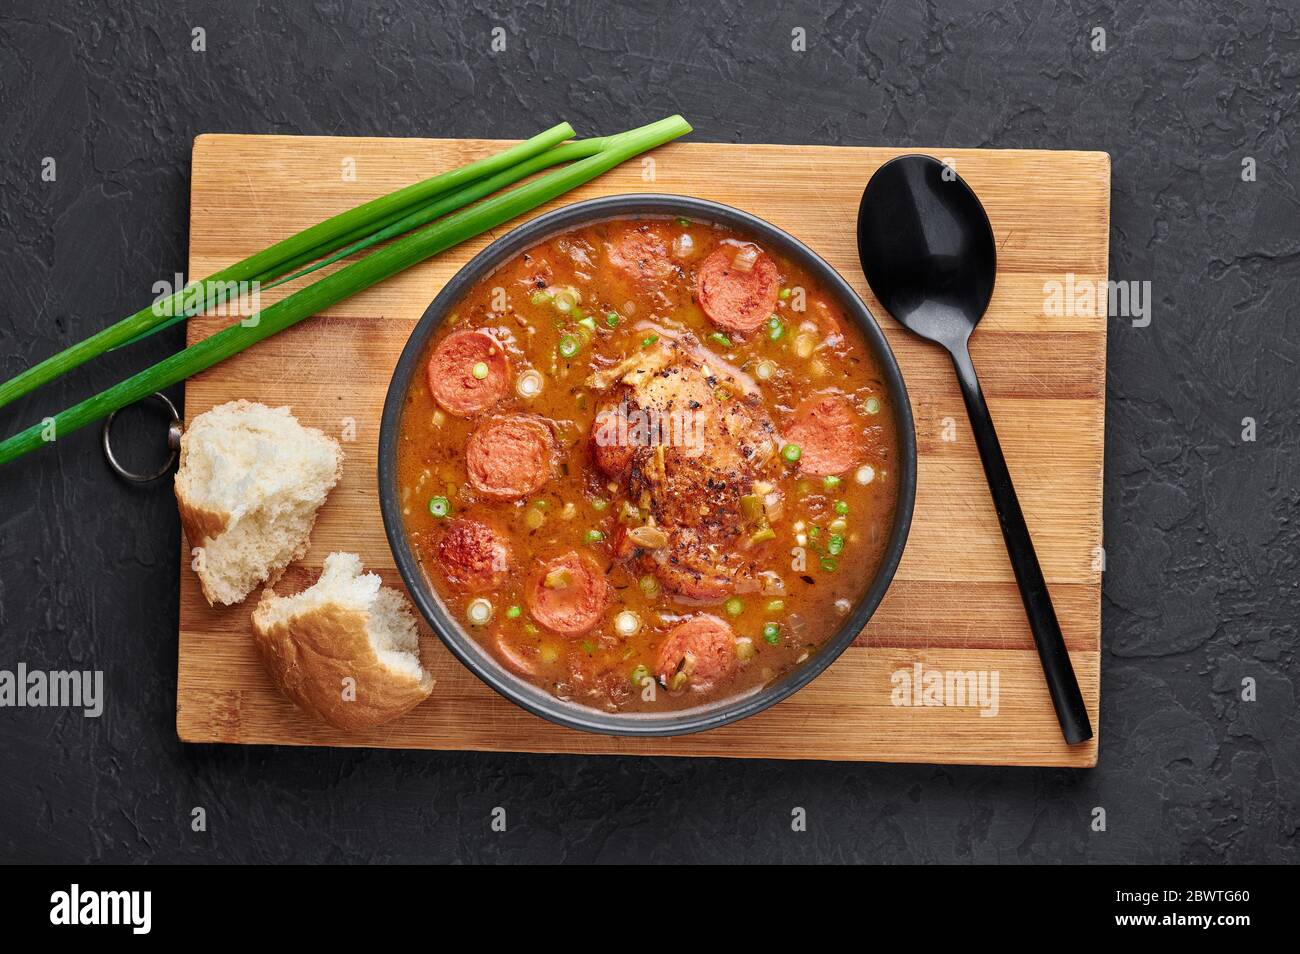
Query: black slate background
[1201,588]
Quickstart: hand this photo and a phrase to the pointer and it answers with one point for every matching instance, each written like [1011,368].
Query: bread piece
[250,482]
[346,649]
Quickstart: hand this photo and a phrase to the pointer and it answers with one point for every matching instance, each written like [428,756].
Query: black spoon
[927,250]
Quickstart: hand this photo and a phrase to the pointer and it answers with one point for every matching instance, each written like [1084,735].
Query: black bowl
[479,660]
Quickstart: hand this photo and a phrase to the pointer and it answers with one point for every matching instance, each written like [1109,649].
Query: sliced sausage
[473,556]
[451,375]
[574,602]
[510,457]
[611,440]
[521,660]
[703,647]
[641,254]
[828,433]
[736,300]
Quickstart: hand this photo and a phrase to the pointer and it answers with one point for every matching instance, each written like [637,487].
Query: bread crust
[309,655]
[200,524]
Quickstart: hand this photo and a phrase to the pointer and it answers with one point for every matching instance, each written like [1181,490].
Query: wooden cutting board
[953,606]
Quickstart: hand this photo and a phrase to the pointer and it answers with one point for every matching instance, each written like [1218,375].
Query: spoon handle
[1061,683]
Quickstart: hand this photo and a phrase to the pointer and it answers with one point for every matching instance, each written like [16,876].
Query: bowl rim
[453,635]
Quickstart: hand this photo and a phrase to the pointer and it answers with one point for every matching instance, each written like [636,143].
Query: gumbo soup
[650,464]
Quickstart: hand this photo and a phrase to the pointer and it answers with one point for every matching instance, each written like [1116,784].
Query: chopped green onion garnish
[683,222]
[514,612]
[647,342]
[588,322]
[830,483]
[775,329]
[594,536]
[771,633]
[734,606]
[841,507]
[649,586]
[479,611]
[569,346]
[830,564]
[775,606]
[599,504]
[835,545]
[529,384]
[439,506]
[785,293]
[838,525]
[540,297]
[762,535]
[872,405]
[639,675]
[612,319]
[791,452]
[720,339]
[588,646]
[480,370]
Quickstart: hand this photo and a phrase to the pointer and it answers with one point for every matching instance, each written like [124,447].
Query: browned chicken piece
[709,437]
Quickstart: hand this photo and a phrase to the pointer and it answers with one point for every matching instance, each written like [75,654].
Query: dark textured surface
[1202,587]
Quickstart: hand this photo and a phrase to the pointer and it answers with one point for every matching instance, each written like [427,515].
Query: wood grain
[953,606]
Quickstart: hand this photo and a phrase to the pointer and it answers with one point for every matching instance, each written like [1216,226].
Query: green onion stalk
[394,225]
[317,240]
[440,235]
